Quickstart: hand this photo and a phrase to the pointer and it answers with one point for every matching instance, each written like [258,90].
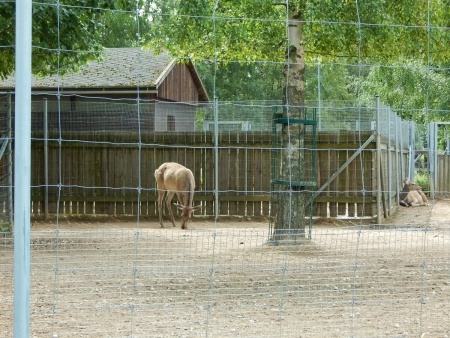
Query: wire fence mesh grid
[129,280]
[102,278]
[73,113]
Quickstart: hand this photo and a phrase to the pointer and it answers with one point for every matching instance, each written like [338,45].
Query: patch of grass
[5,227]
[422,178]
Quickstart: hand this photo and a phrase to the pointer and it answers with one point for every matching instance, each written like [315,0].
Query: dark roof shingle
[120,67]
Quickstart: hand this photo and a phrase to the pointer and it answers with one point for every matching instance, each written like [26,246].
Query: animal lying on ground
[412,195]
[172,178]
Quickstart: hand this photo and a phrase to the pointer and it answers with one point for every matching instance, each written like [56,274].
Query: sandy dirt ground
[123,278]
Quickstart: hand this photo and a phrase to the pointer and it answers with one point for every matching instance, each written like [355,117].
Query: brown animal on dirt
[412,195]
[172,178]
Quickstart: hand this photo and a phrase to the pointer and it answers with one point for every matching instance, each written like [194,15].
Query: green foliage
[7,30]
[239,46]
[199,118]
[65,35]
[233,81]
[123,29]
[422,178]
[380,30]
[236,41]
[232,30]
[334,82]
[5,227]
[262,81]
[417,92]
[256,30]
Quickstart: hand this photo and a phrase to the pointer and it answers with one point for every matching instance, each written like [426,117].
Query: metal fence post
[45,126]
[378,159]
[432,153]
[22,170]
[412,152]
[389,159]
[319,98]
[398,157]
[216,159]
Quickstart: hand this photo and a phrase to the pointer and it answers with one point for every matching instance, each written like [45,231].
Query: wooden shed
[127,88]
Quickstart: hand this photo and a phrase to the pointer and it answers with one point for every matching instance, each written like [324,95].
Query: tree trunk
[290,222]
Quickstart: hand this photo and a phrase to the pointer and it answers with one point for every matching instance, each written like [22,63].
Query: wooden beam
[341,168]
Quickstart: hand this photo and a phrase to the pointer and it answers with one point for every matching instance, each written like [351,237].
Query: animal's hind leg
[169,206]
[160,203]
[403,203]
[424,197]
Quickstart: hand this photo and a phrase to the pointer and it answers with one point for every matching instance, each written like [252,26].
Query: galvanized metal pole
[435,153]
[402,142]
[22,170]
[45,126]
[430,139]
[319,98]
[389,160]
[398,178]
[412,150]
[432,156]
[216,159]
[378,159]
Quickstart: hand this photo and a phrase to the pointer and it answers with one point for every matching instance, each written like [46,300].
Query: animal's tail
[160,171]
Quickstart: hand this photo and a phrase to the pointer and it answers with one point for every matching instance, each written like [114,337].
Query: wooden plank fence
[112,174]
[442,186]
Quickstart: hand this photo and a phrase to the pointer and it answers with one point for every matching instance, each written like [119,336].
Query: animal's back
[174,176]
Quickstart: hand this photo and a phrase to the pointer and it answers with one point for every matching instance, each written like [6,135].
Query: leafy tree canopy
[65,34]
[123,29]
[416,92]
[245,32]
[233,81]
[256,30]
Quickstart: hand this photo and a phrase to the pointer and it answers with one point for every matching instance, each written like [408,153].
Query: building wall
[182,115]
[88,114]
[74,113]
[171,109]
[179,85]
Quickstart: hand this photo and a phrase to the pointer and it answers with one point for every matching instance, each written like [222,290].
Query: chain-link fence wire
[258,116]
[80,113]
[128,277]
[119,280]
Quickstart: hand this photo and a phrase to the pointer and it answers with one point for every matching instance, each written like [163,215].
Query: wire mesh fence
[133,279]
[81,113]
[103,119]
[104,278]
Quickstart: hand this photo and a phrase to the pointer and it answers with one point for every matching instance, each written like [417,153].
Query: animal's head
[186,213]
[411,185]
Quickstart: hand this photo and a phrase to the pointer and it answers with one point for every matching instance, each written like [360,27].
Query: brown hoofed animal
[172,178]
[412,195]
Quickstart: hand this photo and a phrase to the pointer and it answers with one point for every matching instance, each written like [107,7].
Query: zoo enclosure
[111,172]
[387,291]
